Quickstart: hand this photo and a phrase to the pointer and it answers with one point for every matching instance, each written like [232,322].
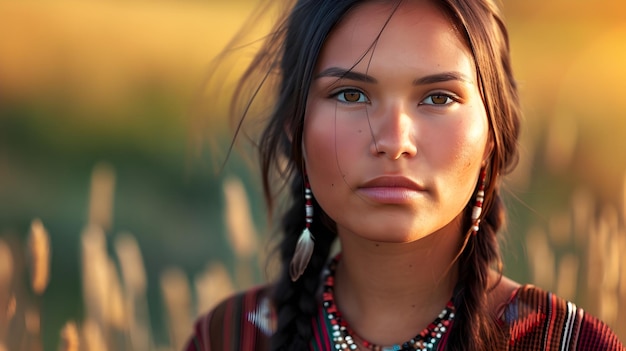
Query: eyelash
[337,95]
[450,98]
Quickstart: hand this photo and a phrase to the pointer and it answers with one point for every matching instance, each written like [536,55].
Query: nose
[393,134]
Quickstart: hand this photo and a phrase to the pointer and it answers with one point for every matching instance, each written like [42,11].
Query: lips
[392,182]
[391,190]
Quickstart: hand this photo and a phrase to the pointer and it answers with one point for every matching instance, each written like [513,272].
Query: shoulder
[539,319]
[243,321]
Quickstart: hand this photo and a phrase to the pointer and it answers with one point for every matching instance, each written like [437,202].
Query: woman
[393,123]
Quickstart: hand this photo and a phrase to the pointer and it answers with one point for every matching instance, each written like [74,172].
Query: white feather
[302,255]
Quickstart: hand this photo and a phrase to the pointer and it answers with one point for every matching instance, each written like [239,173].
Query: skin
[393,148]
[395,132]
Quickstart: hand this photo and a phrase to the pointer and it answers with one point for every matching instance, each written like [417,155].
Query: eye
[351,96]
[438,99]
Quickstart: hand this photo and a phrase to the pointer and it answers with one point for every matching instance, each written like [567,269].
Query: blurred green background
[113,84]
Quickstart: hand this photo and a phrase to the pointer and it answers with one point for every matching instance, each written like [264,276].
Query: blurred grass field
[98,153]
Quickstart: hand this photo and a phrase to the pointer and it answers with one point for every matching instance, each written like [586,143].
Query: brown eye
[438,99]
[351,96]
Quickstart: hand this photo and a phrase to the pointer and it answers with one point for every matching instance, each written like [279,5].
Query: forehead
[406,32]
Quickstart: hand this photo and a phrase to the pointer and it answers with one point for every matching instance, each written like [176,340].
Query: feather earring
[306,241]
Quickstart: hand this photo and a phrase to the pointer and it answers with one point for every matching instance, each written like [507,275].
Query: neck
[389,292]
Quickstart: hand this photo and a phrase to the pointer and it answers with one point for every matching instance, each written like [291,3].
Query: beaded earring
[306,243]
[478,206]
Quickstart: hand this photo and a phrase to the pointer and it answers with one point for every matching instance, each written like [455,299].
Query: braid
[295,302]
[473,321]
[289,57]
[475,327]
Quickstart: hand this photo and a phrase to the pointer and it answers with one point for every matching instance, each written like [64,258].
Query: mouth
[392,182]
[391,190]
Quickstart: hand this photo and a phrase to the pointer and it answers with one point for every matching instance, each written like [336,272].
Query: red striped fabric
[538,320]
[533,320]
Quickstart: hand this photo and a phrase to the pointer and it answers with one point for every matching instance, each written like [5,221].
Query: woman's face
[394,145]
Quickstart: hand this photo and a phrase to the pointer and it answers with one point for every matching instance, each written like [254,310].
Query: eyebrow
[347,74]
[361,77]
[442,77]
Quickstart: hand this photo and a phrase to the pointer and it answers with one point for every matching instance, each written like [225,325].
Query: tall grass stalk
[241,233]
[135,285]
[7,299]
[39,249]
[69,337]
[212,286]
[177,298]
[101,196]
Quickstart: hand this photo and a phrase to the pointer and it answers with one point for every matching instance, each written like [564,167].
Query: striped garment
[533,319]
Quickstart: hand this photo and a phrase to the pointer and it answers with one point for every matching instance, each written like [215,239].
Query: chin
[391,236]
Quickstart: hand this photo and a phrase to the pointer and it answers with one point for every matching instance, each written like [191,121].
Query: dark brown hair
[289,56]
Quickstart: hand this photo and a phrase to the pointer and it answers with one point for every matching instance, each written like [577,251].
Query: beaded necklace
[345,339]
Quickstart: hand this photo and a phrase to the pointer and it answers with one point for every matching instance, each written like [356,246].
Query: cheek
[471,143]
[332,143]
[320,150]
[319,136]
[319,145]
[462,147]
